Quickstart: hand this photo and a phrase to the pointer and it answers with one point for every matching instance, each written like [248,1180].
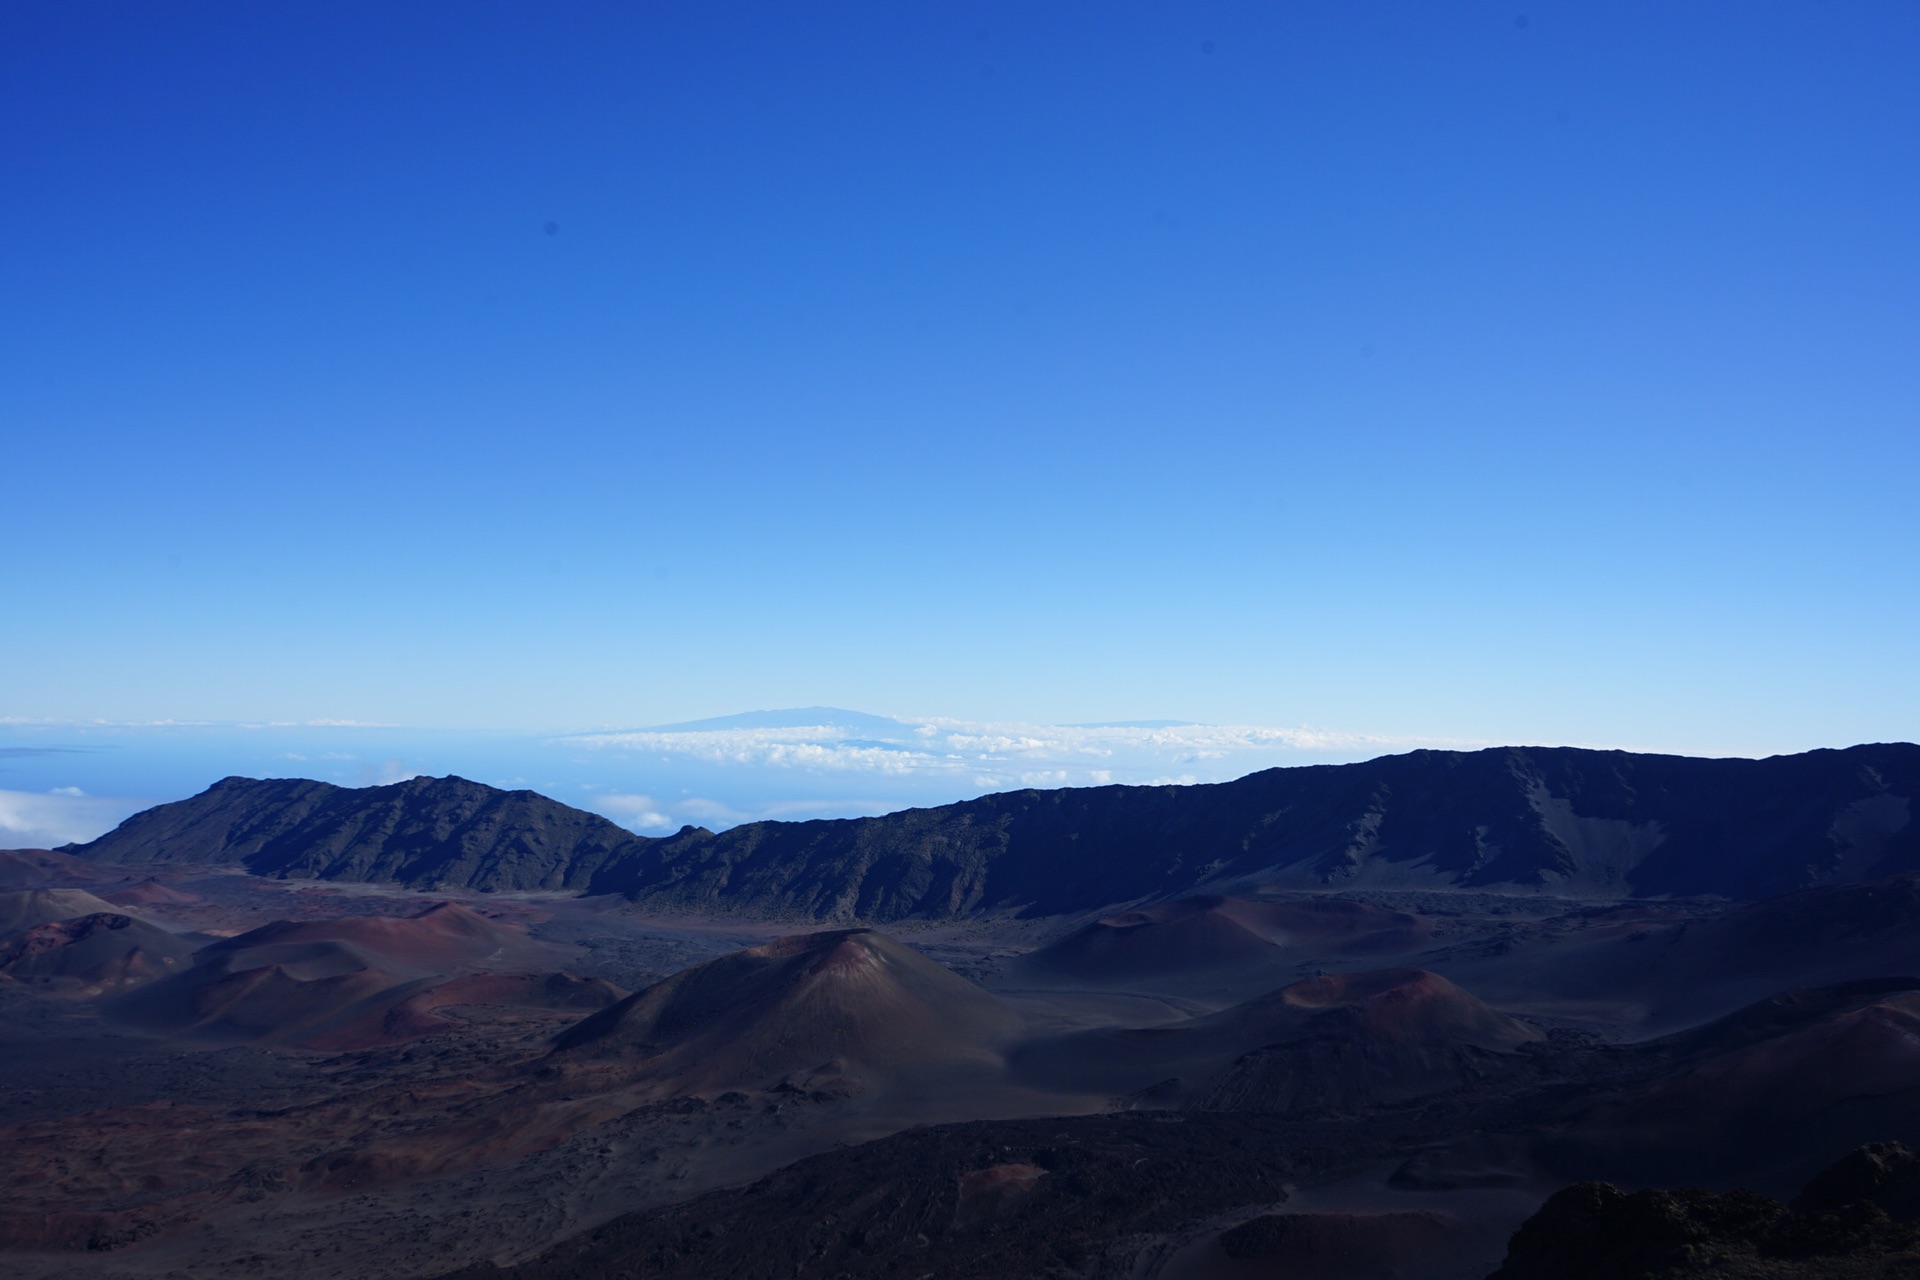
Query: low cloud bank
[67,815]
[902,763]
[1004,754]
[68,782]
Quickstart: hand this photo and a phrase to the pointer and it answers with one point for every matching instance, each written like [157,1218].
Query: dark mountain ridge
[1557,820]
[421,832]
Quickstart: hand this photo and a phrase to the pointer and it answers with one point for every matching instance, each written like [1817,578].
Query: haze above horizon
[62,782]
[1461,374]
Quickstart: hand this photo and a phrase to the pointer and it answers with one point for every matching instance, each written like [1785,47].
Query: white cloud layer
[990,755]
[796,764]
[47,820]
[635,811]
[743,773]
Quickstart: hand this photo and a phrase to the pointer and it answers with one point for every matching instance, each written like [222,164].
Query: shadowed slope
[1558,819]
[1193,934]
[1657,967]
[422,832]
[1342,1039]
[1370,1038]
[1553,819]
[1828,935]
[852,998]
[1843,1226]
[913,1205]
[1800,1077]
[1209,934]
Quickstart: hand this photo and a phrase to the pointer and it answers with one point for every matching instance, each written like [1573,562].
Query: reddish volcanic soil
[1397,1004]
[442,938]
[852,1004]
[93,954]
[354,1081]
[415,1011]
[352,982]
[149,893]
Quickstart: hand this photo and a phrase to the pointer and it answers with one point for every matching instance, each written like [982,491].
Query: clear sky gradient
[1520,372]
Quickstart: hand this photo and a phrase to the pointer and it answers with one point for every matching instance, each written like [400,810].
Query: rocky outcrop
[1839,1229]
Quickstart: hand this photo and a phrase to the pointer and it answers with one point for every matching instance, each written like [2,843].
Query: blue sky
[1416,372]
